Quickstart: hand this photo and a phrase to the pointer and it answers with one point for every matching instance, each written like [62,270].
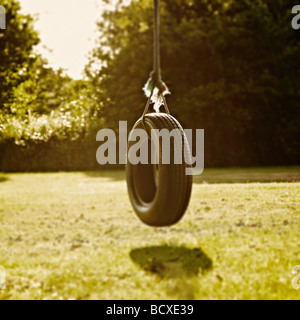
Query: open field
[75,236]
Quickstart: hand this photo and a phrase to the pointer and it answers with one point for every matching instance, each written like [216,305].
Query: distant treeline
[233,68]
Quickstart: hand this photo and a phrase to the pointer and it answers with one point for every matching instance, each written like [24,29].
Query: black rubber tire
[160,197]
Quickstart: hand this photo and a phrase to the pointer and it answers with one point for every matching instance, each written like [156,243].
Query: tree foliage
[36,101]
[232,66]
[16,51]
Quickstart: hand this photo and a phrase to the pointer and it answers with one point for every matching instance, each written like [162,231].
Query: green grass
[75,236]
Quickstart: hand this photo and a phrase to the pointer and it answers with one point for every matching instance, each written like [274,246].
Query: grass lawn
[75,236]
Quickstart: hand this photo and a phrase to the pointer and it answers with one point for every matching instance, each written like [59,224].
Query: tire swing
[159,193]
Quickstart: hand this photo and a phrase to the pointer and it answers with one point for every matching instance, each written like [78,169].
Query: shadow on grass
[227,175]
[179,265]
[3,179]
[249,175]
[172,262]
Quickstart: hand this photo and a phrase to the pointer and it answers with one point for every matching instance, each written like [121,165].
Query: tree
[16,52]
[232,66]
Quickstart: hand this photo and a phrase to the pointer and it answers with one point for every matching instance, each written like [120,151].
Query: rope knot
[155,89]
[155,82]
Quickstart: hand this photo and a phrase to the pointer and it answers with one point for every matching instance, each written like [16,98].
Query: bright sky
[67,28]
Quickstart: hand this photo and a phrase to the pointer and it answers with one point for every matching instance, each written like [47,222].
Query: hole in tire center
[146,178]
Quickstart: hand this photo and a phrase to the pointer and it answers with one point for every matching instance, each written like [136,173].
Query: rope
[156,77]
[155,89]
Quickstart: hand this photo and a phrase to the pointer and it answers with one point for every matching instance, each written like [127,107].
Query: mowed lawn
[75,236]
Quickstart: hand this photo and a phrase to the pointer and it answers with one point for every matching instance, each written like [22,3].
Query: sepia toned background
[69,68]
[232,68]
